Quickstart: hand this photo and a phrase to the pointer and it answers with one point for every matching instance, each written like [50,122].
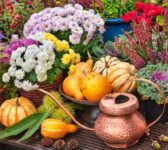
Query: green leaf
[160,20]
[20,126]
[33,77]
[36,125]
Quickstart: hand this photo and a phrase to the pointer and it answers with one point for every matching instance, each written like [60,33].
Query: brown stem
[65,110]
[17,103]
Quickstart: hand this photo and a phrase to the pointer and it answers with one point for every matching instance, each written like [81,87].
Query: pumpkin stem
[17,103]
[85,73]
[107,65]
[89,55]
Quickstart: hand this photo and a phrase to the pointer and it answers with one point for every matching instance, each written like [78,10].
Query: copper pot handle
[159,90]
[65,110]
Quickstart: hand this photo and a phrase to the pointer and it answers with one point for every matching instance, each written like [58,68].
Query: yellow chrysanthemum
[72,69]
[50,37]
[72,53]
[65,45]
[78,58]
[66,59]
[59,46]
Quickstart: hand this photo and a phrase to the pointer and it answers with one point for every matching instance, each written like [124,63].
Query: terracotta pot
[1,95]
[36,96]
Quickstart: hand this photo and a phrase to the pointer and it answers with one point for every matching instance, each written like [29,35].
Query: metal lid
[118,104]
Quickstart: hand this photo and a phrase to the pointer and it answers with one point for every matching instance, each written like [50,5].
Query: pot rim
[115,21]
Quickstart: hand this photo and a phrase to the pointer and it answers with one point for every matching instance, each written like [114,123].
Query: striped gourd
[56,129]
[105,65]
[121,73]
[14,110]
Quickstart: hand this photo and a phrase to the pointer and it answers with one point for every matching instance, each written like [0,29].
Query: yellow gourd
[72,86]
[56,129]
[84,67]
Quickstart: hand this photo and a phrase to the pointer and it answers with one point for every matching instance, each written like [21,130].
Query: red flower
[125,17]
[158,10]
[140,6]
[18,17]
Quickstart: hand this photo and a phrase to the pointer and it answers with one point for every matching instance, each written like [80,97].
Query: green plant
[14,14]
[115,8]
[158,74]
[32,123]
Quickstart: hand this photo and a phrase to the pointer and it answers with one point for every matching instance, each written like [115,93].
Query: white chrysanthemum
[43,56]
[51,56]
[12,63]
[35,86]
[19,61]
[41,47]
[14,55]
[20,74]
[48,65]
[12,71]
[26,67]
[30,47]
[27,86]
[42,77]
[20,50]
[5,77]
[49,44]
[18,84]
[40,69]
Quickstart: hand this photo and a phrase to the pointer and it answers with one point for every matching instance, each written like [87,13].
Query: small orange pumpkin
[95,86]
[56,129]
[14,110]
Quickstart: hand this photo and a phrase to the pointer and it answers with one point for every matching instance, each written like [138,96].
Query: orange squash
[56,129]
[14,110]
[72,86]
[95,86]
[121,73]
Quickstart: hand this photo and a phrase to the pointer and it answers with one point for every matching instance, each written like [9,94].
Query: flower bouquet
[38,63]
[157,73]
[71,23]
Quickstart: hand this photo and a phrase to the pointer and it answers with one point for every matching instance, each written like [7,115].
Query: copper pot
[119,125]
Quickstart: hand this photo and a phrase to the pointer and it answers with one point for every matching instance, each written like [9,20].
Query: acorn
[59,144]
[156,145]
[72,144]
[47,142]
[163,138]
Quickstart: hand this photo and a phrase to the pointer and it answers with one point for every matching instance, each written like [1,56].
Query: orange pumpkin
[14,110]
[95,86]
[56,129]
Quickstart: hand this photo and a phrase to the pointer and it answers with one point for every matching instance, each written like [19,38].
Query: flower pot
[36,96]
[1,95]
[153,110]
[114,27]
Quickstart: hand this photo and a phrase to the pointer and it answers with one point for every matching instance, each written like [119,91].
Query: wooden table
[88,140]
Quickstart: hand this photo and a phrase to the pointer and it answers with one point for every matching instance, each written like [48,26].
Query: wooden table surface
[88,140]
